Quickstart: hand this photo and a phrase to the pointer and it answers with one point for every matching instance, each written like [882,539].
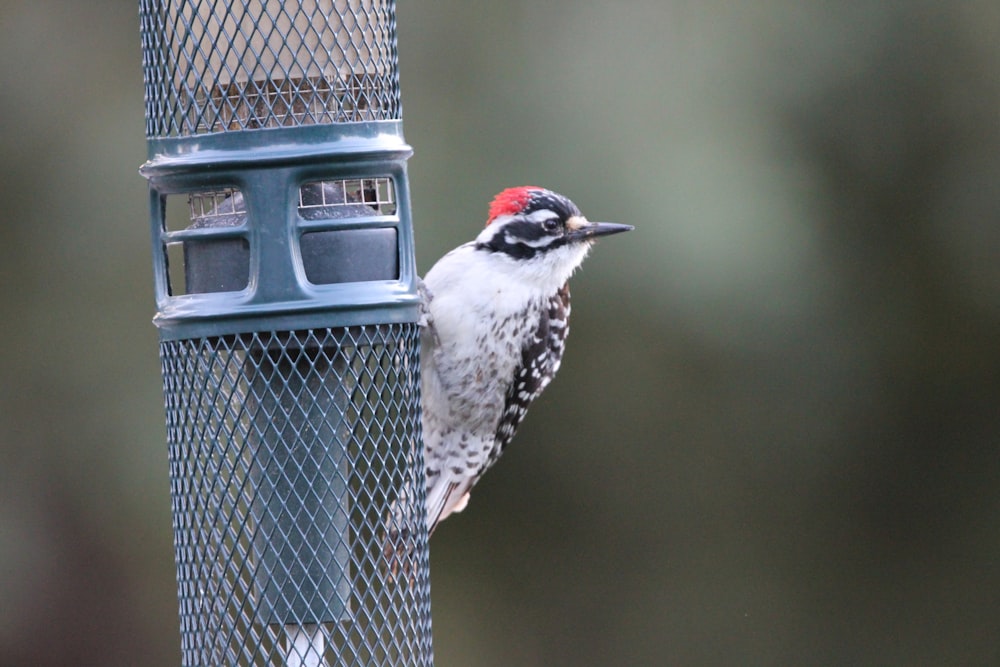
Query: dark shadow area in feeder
[350,256]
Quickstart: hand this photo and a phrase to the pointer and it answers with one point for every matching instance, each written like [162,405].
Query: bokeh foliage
[774,437]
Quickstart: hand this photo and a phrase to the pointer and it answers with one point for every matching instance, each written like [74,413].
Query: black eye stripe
[523,230]
[523,240]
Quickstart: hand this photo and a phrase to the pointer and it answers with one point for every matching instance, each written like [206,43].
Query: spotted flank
[540,360]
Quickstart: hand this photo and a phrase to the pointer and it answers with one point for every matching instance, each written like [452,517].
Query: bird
[496,316]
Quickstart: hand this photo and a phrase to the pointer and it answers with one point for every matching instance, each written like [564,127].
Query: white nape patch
[495,227]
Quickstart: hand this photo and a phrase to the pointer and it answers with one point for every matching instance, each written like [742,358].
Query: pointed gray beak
[594,229]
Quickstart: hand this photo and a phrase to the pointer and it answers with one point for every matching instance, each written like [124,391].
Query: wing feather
[540,359]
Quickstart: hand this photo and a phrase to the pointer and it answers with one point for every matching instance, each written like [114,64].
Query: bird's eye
[551,225]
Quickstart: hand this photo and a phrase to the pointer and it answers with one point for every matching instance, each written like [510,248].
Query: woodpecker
[496,319]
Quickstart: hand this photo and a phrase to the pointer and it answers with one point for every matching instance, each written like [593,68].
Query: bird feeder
[287,312]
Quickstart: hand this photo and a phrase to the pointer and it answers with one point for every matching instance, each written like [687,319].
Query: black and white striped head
[529,223]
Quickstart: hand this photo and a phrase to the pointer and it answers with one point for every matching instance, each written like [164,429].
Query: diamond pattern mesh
[215,66]
[289,451]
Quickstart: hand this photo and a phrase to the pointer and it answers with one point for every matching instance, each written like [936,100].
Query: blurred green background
[774,438]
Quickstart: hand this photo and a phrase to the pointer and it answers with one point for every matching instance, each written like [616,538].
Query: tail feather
[445,498]
[398,541]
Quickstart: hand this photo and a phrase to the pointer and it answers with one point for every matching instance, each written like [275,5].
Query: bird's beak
[581,228]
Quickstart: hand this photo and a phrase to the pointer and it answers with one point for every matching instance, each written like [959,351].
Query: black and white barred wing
[540,359]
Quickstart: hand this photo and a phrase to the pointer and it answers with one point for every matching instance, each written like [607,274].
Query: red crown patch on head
[510,201]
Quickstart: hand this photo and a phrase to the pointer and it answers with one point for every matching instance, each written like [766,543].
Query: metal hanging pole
[305,646]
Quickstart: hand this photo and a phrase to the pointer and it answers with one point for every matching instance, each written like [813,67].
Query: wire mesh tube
[286,304]
[284,449]
[227,66]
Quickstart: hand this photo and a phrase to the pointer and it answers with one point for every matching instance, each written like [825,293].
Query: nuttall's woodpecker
[497,311]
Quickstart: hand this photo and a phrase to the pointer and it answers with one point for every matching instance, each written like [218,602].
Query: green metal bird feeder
[287,311]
